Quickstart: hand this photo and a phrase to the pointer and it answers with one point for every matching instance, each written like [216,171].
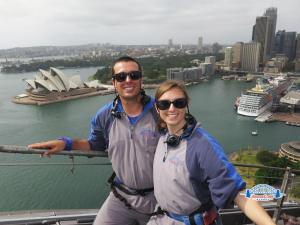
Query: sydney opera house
[54,86]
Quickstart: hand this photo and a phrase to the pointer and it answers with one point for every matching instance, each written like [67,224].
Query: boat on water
[228,77]
[257,100]
[293,123]
[249,77]
[254,133]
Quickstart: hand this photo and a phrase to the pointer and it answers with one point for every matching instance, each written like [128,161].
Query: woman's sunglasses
[134,75]
[179,103]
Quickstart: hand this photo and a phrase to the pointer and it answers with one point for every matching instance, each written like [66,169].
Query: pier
[289,118]
[265,116]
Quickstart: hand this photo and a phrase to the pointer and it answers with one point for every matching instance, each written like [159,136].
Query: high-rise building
[297,66]
[264,33]
[271,13]
[279,41]
[170,43]
[250,56]
[260,33]
[200,43]
[184,74]
[228,56]
[285,43]
[208,69]
[289,46]
[216,47]
[297,57]
[210,59]
[237,54]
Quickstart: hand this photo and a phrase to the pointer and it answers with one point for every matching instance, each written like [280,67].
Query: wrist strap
[68,142]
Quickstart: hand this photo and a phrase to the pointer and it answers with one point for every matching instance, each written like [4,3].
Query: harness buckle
[197,218]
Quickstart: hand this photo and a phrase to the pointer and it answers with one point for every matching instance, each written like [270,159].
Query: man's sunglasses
[134,75]
[179,103]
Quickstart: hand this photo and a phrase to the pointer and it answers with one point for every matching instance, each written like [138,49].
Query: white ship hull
[253,112]
[257,100]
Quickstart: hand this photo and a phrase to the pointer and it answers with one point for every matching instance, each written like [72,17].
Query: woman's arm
[253,210]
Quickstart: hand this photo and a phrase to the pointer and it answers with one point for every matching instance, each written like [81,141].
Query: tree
[103,74]
[272,176]
[264,157]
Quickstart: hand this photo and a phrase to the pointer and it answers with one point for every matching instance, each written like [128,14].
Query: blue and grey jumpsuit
[131,144]
[190,175]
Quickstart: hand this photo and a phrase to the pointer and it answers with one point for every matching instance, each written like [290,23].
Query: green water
[45,187]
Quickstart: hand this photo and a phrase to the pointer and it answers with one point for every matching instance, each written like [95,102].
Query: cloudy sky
[72,22]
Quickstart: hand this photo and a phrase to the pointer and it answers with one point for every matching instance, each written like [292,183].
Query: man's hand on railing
[54,146]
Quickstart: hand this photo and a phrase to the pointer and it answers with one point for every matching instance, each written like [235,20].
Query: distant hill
[42,51]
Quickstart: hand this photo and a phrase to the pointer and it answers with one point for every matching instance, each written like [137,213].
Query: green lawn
[246,156]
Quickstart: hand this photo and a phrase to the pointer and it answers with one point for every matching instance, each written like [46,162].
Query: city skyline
[45,22]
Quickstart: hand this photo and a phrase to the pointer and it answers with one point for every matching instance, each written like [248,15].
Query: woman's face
[173,117]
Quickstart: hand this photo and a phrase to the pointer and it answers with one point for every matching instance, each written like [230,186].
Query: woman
[192,176]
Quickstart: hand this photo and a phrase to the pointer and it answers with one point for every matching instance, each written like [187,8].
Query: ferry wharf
[288,118]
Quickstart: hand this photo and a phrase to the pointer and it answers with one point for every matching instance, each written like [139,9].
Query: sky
[25,23]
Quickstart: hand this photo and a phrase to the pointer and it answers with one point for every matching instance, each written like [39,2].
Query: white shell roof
[76,80]
[61,76]
[54,80]
[93,84]
[31,83]
[49,86]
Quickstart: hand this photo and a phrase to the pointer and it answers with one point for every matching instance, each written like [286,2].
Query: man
[126,128]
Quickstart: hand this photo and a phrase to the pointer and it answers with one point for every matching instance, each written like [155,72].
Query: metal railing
[26,150]
[275,210]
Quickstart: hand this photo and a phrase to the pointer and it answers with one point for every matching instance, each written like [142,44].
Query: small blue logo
[176,161]
[263,192]
[148,133]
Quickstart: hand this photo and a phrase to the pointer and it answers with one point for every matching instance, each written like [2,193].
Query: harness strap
[195,218]
[115,185]
[114,180]
[120,197]
[159,211]
[192,221]
[130,191]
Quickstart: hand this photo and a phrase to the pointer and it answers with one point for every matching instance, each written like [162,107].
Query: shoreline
[26,100]
[288,118]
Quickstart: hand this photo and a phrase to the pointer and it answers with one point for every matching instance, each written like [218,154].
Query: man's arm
[253,210]
[55,146]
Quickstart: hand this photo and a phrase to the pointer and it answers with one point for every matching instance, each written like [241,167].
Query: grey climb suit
[131,147]
[192,173]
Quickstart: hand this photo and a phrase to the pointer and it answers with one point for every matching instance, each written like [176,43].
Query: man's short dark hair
[124,59]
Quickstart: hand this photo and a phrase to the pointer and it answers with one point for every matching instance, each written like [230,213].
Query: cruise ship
[256,100]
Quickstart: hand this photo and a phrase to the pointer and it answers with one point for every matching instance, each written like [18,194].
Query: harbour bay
[45,187]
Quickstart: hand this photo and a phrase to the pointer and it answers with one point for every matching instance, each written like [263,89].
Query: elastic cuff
[68,142]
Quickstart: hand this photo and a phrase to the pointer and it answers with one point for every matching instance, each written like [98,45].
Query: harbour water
[46,187]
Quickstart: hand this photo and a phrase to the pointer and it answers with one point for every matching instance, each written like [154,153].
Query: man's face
[129,88]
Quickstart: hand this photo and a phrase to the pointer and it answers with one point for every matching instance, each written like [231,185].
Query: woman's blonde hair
[163,88]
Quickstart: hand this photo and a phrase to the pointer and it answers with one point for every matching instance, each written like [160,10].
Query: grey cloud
[139,21]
